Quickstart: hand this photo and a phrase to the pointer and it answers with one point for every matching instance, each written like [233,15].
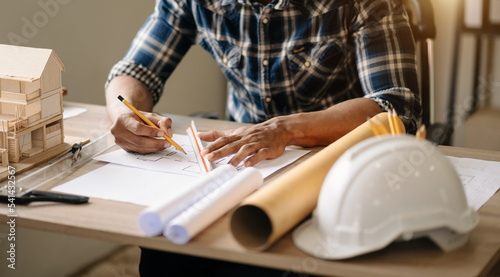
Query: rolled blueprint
[153,219]
[193,220]
[276,208]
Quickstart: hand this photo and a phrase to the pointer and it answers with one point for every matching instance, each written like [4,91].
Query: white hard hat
[384,189]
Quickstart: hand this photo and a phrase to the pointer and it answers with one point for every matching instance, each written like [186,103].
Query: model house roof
[25,63]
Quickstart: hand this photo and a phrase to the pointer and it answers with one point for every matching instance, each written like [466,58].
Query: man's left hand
[262,141]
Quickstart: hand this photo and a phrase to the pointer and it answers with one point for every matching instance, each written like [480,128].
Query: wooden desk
[116,222]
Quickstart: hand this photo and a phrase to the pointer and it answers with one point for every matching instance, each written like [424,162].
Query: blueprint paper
[215,204]
[479,178]
[173,161]
[153,219]
[155,178]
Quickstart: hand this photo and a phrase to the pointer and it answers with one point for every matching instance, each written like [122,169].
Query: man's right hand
[130,132]
[133,135]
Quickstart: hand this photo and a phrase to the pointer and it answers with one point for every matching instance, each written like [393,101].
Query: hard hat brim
[308,239]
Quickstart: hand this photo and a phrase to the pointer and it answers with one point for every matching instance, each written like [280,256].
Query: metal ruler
[61,166]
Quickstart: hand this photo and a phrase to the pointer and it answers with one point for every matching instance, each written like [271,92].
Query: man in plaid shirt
[306,72]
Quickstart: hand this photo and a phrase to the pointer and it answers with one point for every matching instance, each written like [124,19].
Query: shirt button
[224,60]
[265,20]
[307,64]
[265,62]
[268,99]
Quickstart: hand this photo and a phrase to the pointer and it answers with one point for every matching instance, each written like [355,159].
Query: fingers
[143,146]
[165,124]
[262,154]
[247,144]
[137,127]
[222,147]
[253,151]
[212,135]
[218,139]
[133,135]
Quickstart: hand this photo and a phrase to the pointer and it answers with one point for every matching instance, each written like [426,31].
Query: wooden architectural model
[30,102]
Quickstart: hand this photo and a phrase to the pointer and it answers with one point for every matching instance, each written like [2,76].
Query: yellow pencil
[422,132]
[147,121]
[396,125]
[391,122]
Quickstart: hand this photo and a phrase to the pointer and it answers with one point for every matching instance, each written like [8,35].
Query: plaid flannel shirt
[286,57]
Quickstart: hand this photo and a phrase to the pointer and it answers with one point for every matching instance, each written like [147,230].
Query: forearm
[324,127]
[132,90]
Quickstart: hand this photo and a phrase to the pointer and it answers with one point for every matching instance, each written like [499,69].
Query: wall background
[446,18]
[91,36]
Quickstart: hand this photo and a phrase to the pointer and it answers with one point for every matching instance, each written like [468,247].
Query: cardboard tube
[265,216]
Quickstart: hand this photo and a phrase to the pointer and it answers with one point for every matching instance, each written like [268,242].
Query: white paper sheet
[200,215]
[154,178]
[480,179]
[70,111]
[128,184]
[173,161]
